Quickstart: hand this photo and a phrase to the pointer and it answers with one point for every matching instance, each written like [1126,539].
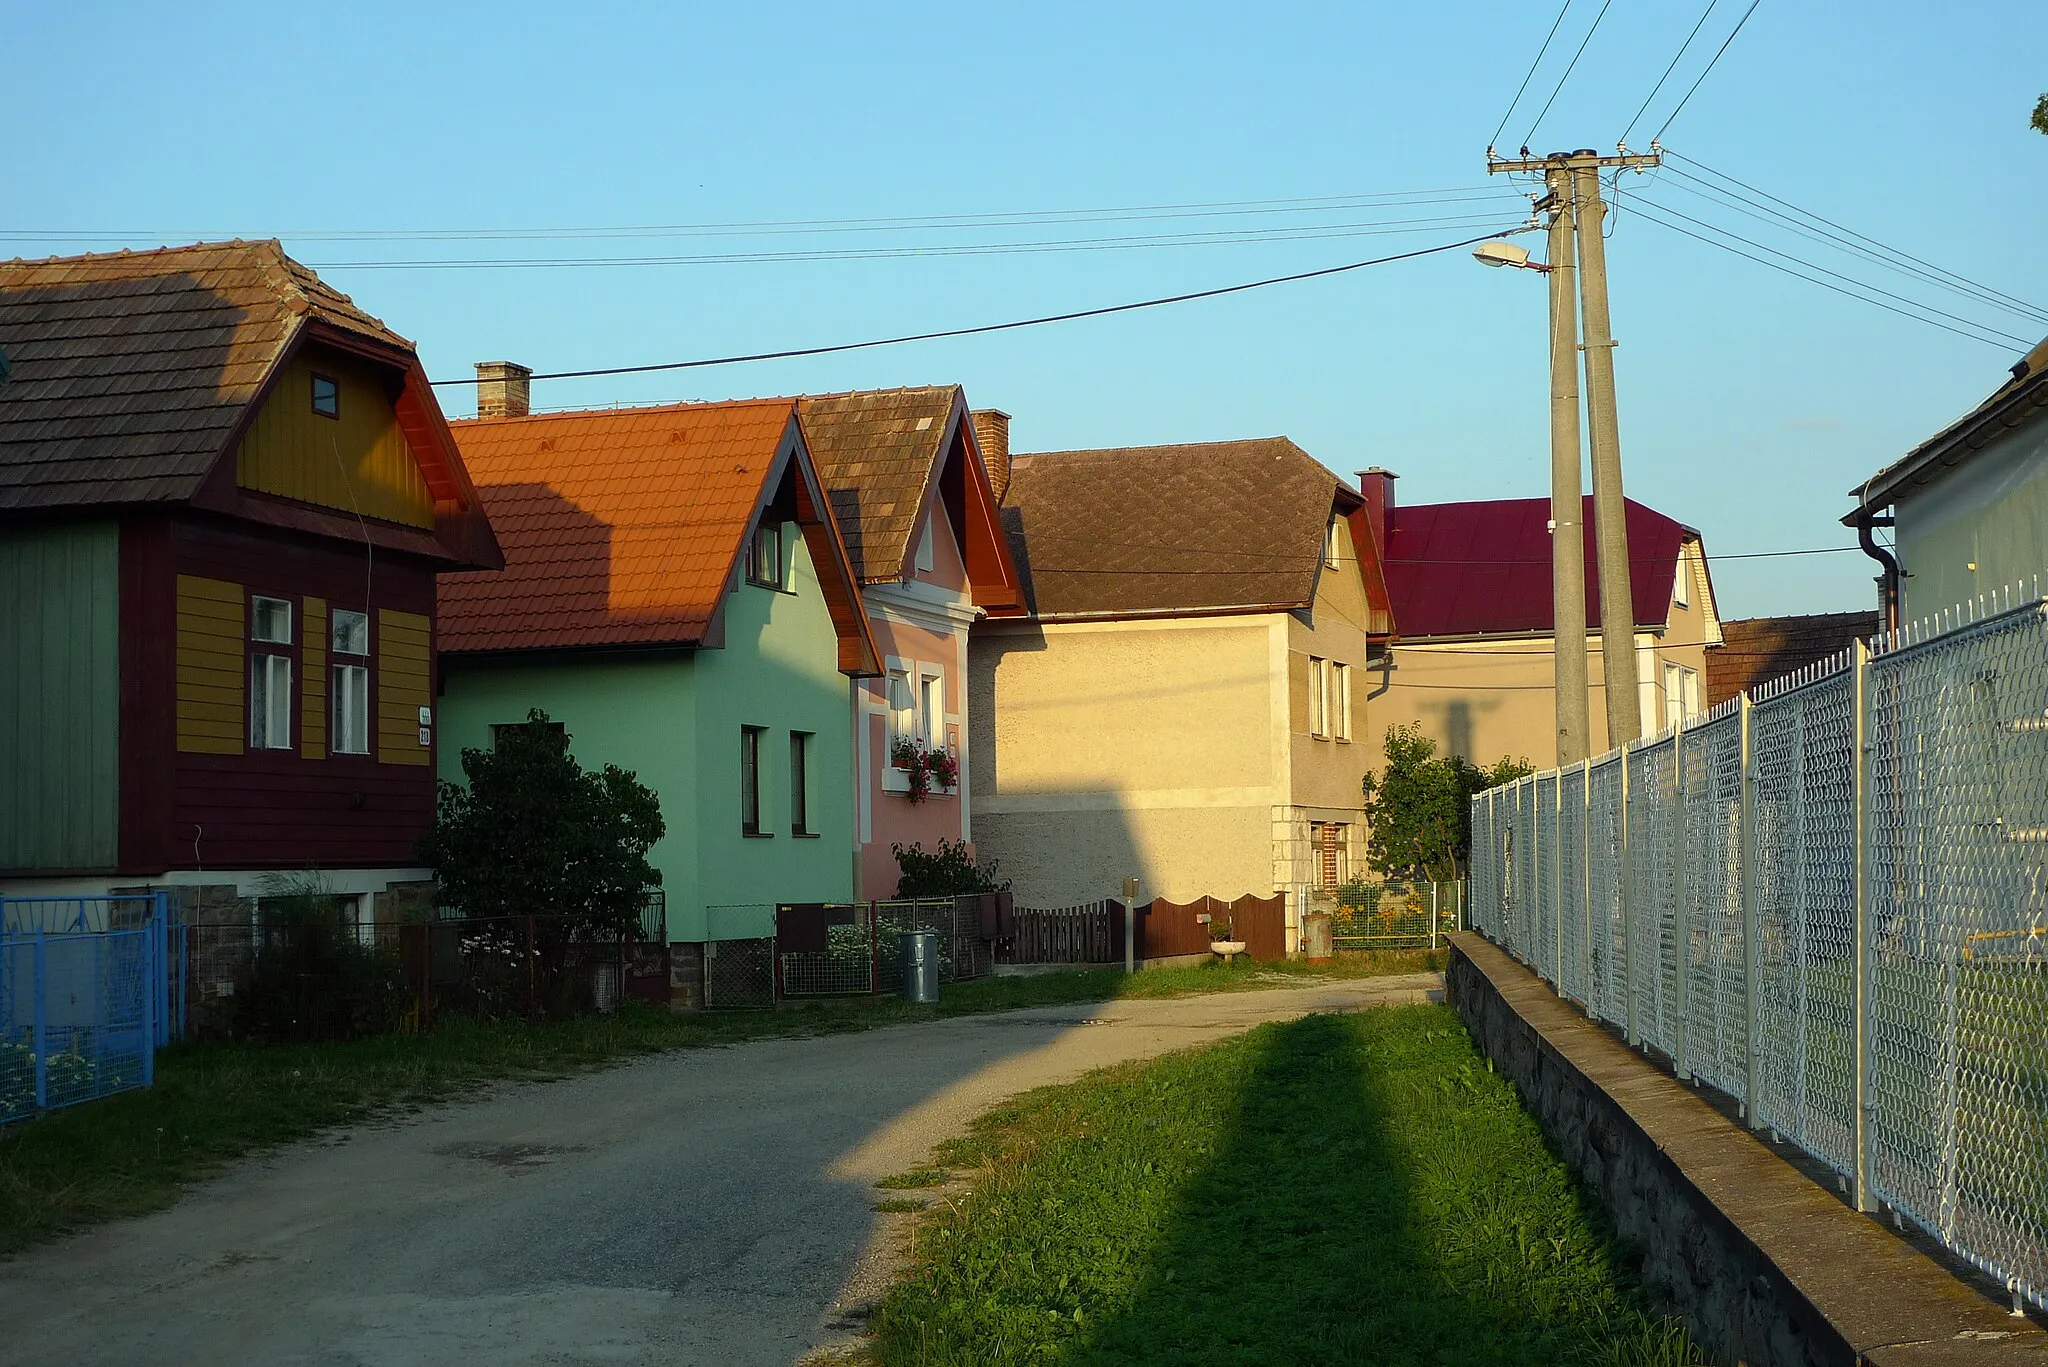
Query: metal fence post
[1860,749]
[1586,885]
[1624,882]
[1432,913]
[874,950]
[40,967]
[1557,886]
[1751,950]
[1681,908]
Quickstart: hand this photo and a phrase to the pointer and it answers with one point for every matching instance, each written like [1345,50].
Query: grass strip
[1356,1188]
[135,1152]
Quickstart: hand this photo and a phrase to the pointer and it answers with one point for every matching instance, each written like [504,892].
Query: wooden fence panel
[1261,922]
[1088,934]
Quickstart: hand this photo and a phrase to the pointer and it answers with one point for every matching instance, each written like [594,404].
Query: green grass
[1351,1188]
[135,1152]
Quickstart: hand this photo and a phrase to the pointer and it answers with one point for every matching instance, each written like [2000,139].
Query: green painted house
[677,596]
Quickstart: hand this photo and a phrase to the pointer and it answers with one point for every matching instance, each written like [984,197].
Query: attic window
[764,556]
[326,396]
[1681,588]
[1333,545]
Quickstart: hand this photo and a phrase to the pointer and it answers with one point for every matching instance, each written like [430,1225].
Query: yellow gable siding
[405,684]
[211,630]
[313,680]
[356,463]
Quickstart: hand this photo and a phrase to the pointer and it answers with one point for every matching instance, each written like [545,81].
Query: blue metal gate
[85,997]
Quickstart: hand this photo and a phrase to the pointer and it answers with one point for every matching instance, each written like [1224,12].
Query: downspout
[1888,586]
[1386,672]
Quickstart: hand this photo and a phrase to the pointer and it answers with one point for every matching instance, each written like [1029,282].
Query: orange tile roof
[623,528]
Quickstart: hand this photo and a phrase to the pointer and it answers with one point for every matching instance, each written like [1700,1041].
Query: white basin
[1227,948]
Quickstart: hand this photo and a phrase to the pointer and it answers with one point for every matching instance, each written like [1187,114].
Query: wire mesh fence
[1829,901]
[1394,914]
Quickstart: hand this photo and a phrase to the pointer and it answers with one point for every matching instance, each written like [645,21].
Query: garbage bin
[920,950]
[1316,941]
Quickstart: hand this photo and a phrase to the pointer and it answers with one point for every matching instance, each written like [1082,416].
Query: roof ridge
[677,406]
[1161,446]
[121,253]
[885,389]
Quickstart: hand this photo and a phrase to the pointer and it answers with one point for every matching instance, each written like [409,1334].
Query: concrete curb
[1764,1266]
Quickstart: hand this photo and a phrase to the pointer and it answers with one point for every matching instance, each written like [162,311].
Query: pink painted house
[915,480]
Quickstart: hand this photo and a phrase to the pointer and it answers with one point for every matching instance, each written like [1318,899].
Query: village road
[707,1206]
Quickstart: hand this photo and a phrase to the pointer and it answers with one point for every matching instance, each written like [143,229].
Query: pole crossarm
[1629,161]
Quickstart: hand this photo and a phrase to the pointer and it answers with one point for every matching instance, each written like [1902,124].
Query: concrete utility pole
[1567,505]
[1581,170]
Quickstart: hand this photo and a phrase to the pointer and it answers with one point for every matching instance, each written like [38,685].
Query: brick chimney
[992,435]
[503,389]
[1377,488]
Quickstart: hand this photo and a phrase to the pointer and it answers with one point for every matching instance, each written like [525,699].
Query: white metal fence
[1830,902]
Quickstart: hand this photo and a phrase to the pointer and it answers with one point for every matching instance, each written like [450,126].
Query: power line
[1710,67]
[1763,213]
[1569,68]
[1682,48]
[1999,340]
[1230,237]
[1828,222]
[1005,327]
[1510,113]
[772,227]
[1860,284]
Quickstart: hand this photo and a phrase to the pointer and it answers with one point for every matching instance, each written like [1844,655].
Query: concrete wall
[1102,750]
[1765,1267]
[1982,526]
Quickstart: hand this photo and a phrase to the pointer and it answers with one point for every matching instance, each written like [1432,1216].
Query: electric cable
[792,352]
[1682,48]
[1659,136]
[1563,9]
[1569,68]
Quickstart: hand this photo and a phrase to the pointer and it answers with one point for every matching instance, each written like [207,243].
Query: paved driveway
[706,1206]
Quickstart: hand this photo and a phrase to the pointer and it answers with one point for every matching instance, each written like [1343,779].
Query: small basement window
[326,396]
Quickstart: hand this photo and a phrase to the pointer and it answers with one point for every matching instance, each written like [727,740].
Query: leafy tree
[1420,806]
[2041,115]
[950,872]
[534,835]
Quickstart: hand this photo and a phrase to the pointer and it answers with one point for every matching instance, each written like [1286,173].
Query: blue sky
[1749,401]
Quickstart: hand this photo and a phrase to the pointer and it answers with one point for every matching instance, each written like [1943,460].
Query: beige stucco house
[1475,667]
[1185,702]
[1969,505]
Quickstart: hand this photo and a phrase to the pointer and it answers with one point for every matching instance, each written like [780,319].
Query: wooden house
[225,494]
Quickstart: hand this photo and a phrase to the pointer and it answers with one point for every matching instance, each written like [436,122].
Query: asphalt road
[708,1206]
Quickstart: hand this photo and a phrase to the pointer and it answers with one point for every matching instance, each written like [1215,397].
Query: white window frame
[258,605]
[351,709]
[1318,697]
[1333,549]
[1340,700]
[901,700]
[766,543]
[931,706]
[270,701]
[1681,588]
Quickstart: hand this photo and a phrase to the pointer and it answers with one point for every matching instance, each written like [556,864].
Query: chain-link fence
[1829,901]
[1394,914]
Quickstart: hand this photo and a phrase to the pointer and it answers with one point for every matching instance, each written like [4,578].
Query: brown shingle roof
[1159,530]
[130,371]
[877,451]
[623,528]
[1757,650]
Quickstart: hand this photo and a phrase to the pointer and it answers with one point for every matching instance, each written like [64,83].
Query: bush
[950,872]
[532,834]
[311,978]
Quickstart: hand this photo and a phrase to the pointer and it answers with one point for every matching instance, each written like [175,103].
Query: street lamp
[1499,253]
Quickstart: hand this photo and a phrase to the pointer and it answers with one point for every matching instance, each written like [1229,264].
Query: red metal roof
[1483,569]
